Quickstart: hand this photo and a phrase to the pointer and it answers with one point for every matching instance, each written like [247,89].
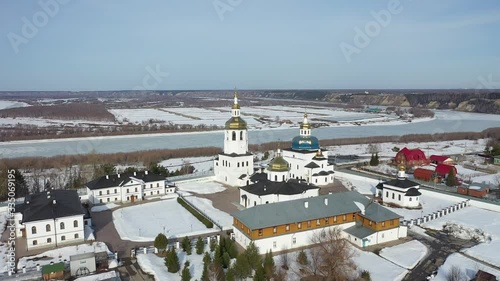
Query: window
[47,228]
[335,219]
[63,238]
[116,198]
[100,192]
[287,227]
[157,184]
[410,199]
[299,225]
[383,223]
[135,189]
[107,199]
[275,177]
[392,222]
[382,235]
[294,240]
[150,185]
[100,200]
[344,217]
[35,243]
[115,191]
[33,230]
[260,232]
[308,224]
[76,235]
[241,135]
[61,225]
[274,244]
[399,197]
[393,195]
[247,163]
[416,198]
[49,240]
[370,222]
[326,221]
[75,223]
[318,222]
[234,135]
[127,190]
[238,164]
[387,194]
[275,229]
[107,191]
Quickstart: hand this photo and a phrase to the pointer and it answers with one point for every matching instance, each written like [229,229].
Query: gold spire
[236,105]
[305,124]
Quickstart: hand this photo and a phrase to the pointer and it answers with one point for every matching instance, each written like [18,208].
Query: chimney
[306,204]
[118,175]
[107,177]
[326,201]
[145,172]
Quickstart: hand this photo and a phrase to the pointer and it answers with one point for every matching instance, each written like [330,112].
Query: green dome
[278,164]
[236,123]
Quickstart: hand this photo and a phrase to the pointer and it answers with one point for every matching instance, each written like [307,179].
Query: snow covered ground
[200,164]
[145,221]
[475,218]
[154,265]
[215,214]
[4,104]
[99,277]
[201,187]
[468,266]
[61,254]
[406,255]
[104,207]
[3,246]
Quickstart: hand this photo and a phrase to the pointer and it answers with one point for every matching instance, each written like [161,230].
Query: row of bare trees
[67,111]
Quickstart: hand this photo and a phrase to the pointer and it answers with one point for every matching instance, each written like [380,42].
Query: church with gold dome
[235,163]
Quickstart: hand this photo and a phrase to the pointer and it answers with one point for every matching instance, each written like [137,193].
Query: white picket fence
[437,214]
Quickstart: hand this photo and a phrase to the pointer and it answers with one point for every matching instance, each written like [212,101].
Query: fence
[437,214]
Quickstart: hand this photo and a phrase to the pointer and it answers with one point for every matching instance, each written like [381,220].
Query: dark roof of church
[258,177]
[311,165]
[41,206]
[401,183]
[413,192]
[119,179]
[290,187]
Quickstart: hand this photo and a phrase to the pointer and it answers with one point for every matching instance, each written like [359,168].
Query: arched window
[33,230]
[241,135]
[75,223]
[275,177]
[238,164]
[76,235]
[61,225]
[283,177]
[234,135]
[47,227]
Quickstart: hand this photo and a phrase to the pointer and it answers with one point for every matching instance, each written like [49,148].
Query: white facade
[236,160]
[285,241]
[131,189]
[53,232]
[254,200]
[298,161]
[378,237]
[393,194]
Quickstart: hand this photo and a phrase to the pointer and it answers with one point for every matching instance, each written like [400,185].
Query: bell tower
[236,132]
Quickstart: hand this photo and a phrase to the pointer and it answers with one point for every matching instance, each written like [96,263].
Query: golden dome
[402,167]
[236,123]
[305,124]
[278,164]
[235,104]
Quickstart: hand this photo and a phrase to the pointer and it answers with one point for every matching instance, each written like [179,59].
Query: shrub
[195,213]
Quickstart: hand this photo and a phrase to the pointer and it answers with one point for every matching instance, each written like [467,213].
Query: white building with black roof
[400,191]
[306,159]
[127,187]
[51,218]
[275,185]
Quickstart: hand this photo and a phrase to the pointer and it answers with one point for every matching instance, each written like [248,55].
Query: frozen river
[445,121]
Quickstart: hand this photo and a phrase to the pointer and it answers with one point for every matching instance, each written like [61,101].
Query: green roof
[359,231]
[286,212]
[56,267]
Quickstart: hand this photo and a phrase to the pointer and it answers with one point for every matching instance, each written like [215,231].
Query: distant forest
[68,111]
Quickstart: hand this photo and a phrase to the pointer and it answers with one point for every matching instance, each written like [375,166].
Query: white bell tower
[236,132]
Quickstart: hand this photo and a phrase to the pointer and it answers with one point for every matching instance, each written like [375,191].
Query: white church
[400,191]
[235,164]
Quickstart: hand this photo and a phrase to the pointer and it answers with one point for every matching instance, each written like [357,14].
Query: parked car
[433,274]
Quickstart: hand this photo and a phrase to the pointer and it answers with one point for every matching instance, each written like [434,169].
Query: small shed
[53,271]
[424,174]
[82,264]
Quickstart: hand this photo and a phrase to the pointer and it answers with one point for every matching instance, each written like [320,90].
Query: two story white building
[51,218]
[127,187]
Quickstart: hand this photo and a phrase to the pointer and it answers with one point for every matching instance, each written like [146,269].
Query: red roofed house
[411,157]
[443,170]
[441,159]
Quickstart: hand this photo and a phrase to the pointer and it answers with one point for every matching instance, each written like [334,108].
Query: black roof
[258,177]
[41,206]
[413,192]
[120,179]
[401,183]
[290,187]
[236,155]
[312,165]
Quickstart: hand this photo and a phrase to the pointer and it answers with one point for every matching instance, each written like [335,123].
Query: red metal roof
[443,169]
[413,154]
[439,158]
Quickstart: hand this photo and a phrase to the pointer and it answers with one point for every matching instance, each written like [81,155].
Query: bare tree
[215,272]
[456,274]
[284,263]
[373,148]
[331,259]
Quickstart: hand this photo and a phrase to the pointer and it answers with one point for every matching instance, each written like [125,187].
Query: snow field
[406,255]
[104,207]
[468,266]
[205,205]
[4,104]
[143,222]
[472,218]
[99,277]
[201,187]
[61,254]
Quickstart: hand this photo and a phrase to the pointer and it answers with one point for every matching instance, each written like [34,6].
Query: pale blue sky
[282,44]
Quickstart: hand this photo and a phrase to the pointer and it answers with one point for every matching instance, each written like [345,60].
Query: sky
[78,45]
